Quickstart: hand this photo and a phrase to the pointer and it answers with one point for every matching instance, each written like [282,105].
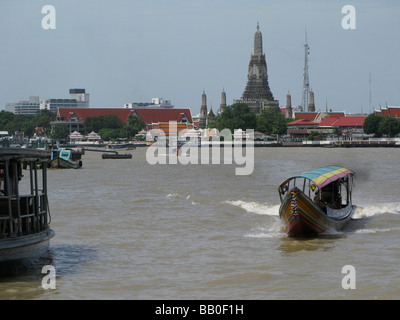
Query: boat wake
[257,208]
[376,210]
[271,228]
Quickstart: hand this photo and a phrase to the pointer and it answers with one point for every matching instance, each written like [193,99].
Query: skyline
[131,51]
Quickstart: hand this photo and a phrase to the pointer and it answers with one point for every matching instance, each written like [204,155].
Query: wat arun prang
[257,94]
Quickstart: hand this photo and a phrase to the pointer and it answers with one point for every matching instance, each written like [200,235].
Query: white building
[155,103]
[79,99]
[24,107]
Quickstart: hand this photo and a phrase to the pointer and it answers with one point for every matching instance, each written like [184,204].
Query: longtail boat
[316,201]
[66,159]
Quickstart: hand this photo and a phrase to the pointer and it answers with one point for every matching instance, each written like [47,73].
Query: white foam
[272,230]
[374,210]
[257,208]
[173,195]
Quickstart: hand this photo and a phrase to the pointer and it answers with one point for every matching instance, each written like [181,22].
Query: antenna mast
[306,82]
[370,100]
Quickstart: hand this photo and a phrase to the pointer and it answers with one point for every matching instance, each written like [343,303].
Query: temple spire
[257,94]
[258,42]
[223,101]
[203,111]
[288,110]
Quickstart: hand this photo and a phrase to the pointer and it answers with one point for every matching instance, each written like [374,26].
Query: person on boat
[318,200]
[331,195]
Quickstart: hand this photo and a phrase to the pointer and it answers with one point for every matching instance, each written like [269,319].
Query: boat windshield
[65,154]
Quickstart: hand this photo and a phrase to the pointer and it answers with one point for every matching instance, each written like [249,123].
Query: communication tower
[306,81]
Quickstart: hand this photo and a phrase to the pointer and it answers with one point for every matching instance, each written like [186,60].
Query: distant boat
[317,200]
[125,146]
[66,159]
[24,218]
[116,156]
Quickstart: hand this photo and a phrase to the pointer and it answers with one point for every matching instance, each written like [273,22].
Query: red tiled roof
[149,116]
[81,114]
[388,111]
[336,114]
[394,111]
[357,121]
[163,115]
[328,122]
[302,122]
[313,115]
[350,121]
[306,115]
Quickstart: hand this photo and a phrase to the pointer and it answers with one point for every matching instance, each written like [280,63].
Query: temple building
[257,94]
[223,102]
[288,109]
[203,111]
[311,104]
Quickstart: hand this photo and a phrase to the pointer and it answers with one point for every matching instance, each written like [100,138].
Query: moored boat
[122,146]
[116,156]
[316,201]
[24,211]
[66,159]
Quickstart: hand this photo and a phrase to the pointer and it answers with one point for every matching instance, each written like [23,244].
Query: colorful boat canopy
[323,176]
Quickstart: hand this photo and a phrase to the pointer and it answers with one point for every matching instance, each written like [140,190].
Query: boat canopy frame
[313,182]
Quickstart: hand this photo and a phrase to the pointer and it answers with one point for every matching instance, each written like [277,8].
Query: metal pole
[17,197]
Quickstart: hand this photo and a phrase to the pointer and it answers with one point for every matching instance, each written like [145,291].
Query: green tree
[60,131]
[389,126]
[314,134]
[102,122]
[109,134]
[133,126]
[21,123]
[236,116]
[371,125]
[270,121]
[42,119]
[5,118]
[337,131]
[25,123]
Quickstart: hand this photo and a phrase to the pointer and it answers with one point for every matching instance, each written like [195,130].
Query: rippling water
[129,230]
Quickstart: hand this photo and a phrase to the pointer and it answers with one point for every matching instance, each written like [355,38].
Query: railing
[23,215]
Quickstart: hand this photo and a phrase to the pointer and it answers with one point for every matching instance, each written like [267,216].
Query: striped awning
[323,176]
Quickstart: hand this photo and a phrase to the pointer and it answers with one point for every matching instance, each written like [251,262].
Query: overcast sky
[124,51]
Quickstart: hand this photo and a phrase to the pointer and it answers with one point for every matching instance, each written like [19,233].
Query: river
[125,229]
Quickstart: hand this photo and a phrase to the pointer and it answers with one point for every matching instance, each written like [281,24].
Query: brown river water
[125,229]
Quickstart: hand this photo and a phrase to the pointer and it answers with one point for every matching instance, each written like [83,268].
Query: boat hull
[16,253]
[58,163]
[301,216]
